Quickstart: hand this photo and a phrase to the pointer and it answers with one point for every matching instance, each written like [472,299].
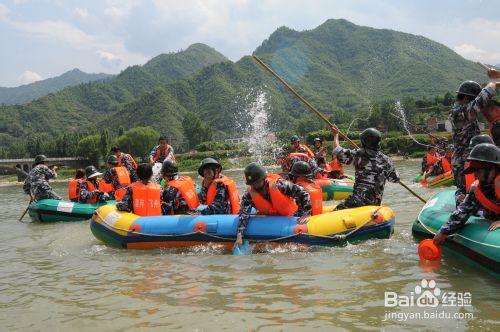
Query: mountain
[25,93]
[340,67]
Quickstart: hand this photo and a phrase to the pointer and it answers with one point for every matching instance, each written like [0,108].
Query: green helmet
[208,162]
[485,152]
[478,139]
[40,159]
[301,168]
[113,160]
[294,139]
[469,88]
[169,167]
[253,173]
[91,171]
[370,138]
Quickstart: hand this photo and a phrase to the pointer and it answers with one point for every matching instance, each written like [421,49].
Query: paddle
[321,116]
[27,208]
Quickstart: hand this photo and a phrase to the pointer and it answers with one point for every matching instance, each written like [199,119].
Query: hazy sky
[44,38]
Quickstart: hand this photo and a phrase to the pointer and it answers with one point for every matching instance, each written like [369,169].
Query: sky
[45,38]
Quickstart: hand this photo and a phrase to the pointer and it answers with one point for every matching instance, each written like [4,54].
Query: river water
[59,277]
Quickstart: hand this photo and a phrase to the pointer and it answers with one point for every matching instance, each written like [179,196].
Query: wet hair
[80,173]
[144,171]
[162,138]
[115,149]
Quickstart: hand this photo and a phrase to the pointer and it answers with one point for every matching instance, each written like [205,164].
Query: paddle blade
[244,249]
[427,250]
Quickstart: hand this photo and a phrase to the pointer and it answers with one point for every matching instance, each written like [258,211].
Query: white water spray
[399,108]
[259,135]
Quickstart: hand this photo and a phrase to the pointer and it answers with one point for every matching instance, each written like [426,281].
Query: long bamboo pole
[321,116]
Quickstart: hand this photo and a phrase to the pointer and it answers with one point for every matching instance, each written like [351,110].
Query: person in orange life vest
[444,163]
[492,113]
[478,139]
[269,194]
[318,149]
[74,185]
[300,148]
[483,196]
[179,194]
[89,192]
[117,176]
[218,193]
[301,174]
[142,197]
[161,152]
[429,160]
[324,166]
[124,159]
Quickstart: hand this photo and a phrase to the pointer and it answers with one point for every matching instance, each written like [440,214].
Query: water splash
[398,107]
[260,138]
[370,110]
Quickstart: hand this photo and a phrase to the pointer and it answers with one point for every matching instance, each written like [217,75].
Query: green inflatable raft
[474,240]
[49,210]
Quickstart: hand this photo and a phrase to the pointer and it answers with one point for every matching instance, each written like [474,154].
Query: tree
[195,130]
[89,147]
[104,143]
[138,141]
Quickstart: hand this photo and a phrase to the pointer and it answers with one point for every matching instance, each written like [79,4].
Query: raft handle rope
[336,238]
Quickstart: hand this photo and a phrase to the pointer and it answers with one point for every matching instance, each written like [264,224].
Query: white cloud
[109,59]
[81,13]
[119,9]
[29,77]
[4,11]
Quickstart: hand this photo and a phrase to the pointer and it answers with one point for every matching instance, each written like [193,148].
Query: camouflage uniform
[372,169]
[301,196]
[221,200]
[162,157]
[319,152]
[111,177]
[469,207]
[464,124]
[126,204]
[37,185]
[172,201]
[86,194]
[495,132]
[127,162]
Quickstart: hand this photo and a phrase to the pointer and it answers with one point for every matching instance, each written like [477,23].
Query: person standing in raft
[218,193]
[37,183]
[484,194]
[124,159]
[142,197]
[300,148]
[372,169]
[88,192]
[271,195]
[443,165]
[75,184]
[161,152]
[471,100]
[429,160]
[179,194]
[117,177]
[318,148]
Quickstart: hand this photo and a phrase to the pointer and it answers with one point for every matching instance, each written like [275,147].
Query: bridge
[22,167]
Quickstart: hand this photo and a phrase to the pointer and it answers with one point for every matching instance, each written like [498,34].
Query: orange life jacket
[489,205]
[185,185]
[234,195]
[430,160]
[105,187]
[120,160]
[280,204]
[445,164]
[308,152]
[146,199]
[336,166]
[74,189]
[469,178]
[90,187]
[123,176]
[158,153]
[316,196]
[328,169]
